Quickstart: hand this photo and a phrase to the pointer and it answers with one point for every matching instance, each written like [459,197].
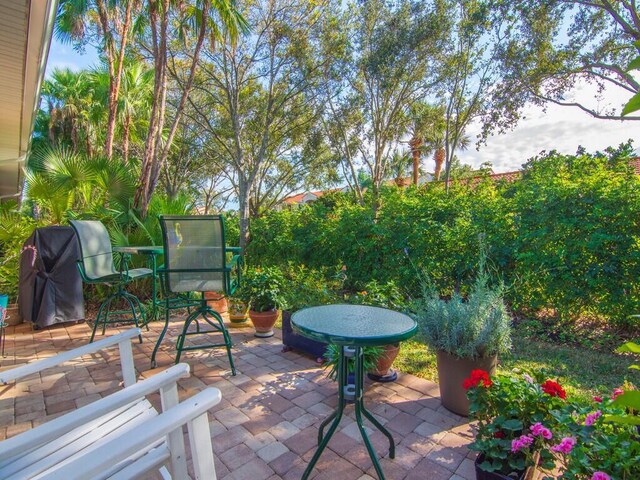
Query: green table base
[346,393]
[352,327]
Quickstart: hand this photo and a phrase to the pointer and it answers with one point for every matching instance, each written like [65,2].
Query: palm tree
[426,127]
[63,181]
[69,97]
[111,23]
[135,103]
[215,20]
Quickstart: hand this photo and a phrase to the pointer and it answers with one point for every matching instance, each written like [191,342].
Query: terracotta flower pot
[383,372]
[452,371]
[217,302]
[13,316]
[238,313]
[263,322]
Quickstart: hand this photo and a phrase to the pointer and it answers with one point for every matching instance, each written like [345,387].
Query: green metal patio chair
[97,268]
[196,259]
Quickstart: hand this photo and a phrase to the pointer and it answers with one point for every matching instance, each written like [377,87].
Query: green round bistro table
[352,327]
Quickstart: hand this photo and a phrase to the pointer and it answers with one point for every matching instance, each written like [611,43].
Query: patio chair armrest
[234,250]
[124,263]
[59,426]
[235,264]
[191,412]
[123,340]
[236,261]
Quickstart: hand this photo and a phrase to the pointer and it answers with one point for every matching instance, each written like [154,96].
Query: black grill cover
[50,284]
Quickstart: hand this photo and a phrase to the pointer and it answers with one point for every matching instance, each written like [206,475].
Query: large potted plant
[467,333]
[262,290]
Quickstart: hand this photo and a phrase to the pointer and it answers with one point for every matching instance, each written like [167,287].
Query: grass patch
[583,371]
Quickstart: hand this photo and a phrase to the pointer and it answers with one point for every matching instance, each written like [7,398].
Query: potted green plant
[467,333]
[369,358]
[238,311]
[385,295]
[518,436]
[262,290]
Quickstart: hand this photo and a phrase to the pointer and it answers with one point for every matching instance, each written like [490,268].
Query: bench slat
[65,449]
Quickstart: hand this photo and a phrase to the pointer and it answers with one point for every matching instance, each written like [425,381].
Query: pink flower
[565,446]
[600,476]
[616,392]
[540,430]
[518,444]
[592,417]
[528,378]
[597,399]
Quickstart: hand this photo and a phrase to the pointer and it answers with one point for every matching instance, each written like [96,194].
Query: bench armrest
[59,426]
[123,340]
[191,412]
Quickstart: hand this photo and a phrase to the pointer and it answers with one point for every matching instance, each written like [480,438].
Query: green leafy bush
[14,230]
[262,289]
[564,237]
[305,287]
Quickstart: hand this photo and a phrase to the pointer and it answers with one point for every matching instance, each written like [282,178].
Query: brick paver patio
[266,425]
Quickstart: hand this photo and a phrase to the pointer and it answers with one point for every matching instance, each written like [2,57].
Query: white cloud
[559,128]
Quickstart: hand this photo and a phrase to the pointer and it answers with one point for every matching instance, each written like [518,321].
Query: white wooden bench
[120,436]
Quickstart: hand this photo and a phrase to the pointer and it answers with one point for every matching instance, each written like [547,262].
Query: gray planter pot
[452,371]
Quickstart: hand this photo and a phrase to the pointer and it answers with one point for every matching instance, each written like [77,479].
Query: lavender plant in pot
[262,290]
[468,332]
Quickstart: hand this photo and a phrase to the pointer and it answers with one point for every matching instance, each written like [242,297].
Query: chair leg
[225,334]
[140,310]
[183,335]
[127,297]
[162,334]
[145,322]
[95,322]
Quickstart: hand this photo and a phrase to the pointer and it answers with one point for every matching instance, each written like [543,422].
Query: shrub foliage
[564,238]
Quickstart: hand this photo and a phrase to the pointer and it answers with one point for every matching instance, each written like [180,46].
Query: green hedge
[564,237]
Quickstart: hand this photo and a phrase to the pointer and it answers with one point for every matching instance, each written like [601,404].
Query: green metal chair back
[195,254]
[96,257]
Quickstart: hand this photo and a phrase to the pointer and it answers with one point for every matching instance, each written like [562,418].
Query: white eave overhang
[25,35]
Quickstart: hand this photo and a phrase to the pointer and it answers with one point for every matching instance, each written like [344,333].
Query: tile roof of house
[293,199]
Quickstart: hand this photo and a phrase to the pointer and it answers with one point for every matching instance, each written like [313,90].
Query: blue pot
[4,301]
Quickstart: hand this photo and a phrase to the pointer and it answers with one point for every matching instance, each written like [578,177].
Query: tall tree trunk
[415,144]
[243,211]
[151,168]
[125,138]
[439,156]
[141,198]
[447,174]
[115,80]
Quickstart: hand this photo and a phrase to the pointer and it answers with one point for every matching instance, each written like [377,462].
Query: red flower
[499,434]
[597,399]
[478,377]
[553,389]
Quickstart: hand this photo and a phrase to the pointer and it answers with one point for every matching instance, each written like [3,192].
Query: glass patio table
[352,327]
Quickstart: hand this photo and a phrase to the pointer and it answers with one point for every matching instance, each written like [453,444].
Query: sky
[561,128]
